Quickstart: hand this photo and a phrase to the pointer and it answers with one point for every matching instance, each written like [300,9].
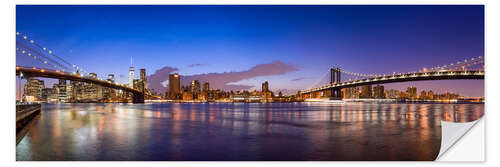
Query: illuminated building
[69,93]
[366,91]
[33,88]
[77,90]
[187,95]
[265,87]
[430,95]
[143,77]
[131,77]
[412,92]
[267,95]
[47,94]
[378,92]
[61,91]
[174,85]
[92,92]
[195,88]
[351,93]
[392,94]
[206,87]
[423,95]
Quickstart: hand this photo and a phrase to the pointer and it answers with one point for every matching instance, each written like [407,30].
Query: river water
[241,131]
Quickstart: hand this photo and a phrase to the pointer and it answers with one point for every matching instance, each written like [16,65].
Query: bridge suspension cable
[452,66]
[460,64]
[24,52]
[49,52]
[29,52]
[323,80]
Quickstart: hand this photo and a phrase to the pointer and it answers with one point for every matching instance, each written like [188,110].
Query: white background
[466,145]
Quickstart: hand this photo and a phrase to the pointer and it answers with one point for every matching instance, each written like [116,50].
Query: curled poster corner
[452,132]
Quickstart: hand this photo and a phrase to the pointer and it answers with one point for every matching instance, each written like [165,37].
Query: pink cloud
[221,80]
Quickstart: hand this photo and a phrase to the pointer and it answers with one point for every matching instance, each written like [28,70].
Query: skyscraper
[92,92]
[351,93]
[412,92]
[366,91]
[392,94]
[206,87]
[33,88]
[195,88]
[430,95]
[378,92]
[423,95]
[62,91]
[144,78]
[131,77]
[174,85]
[265,87]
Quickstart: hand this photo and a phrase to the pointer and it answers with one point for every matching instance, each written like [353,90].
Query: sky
[239,47]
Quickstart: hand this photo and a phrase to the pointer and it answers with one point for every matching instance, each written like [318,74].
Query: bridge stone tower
[335,77]
[138,97]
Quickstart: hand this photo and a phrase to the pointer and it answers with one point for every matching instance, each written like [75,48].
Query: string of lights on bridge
[30,52]
[460,64]
[24,52]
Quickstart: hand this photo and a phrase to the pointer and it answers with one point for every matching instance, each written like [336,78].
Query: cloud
[222,80]
[155,80]
[196,65]
[298,79]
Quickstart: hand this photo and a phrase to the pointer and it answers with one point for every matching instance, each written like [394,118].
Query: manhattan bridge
[336,78]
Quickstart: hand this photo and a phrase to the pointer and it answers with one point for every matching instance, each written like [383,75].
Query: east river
[241,131]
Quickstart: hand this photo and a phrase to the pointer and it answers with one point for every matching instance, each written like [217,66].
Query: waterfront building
[403,95]
[206,87]
[430,95]
[69,93]
[366,91]
[61,91]
[412,92]
[92,92]
[174,85]
[48,94]
[131,77]
[186,95]
[265,87]
[77,90]
[33,88]
[378,92]
[351,93]
[143,78]
[267,94]
[423,95]
[195,88]
[392,94]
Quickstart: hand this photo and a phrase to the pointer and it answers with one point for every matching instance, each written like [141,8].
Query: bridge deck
[440,75]
[36,72]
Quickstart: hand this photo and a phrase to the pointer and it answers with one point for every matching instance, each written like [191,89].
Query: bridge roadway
[422,76]
[138,95]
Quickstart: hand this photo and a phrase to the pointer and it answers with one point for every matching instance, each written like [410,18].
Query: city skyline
[292,53]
